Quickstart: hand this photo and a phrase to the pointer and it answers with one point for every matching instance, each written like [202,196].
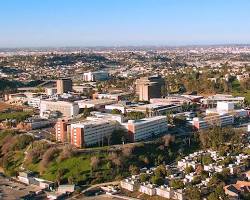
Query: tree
[177,184]
[193,193]
[160,171]
[135,115]
[168,139]
[118,136]
[94,161]
[144,177]
[170,118]
[86,112]
[59,175]
[144,159]
[133,169]
[206,160]
[218,194]
[196,180]
[48,156]
[70,180]
[128,149]
[66,153]
[189,169]
[157,180]
[116,111]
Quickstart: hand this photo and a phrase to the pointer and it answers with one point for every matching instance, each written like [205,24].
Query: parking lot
[10,190]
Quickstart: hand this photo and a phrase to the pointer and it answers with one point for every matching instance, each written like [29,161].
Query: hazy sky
[27,23]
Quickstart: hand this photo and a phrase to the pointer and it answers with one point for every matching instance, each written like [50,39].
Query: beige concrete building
[65,108]
[64,85]
[149,87]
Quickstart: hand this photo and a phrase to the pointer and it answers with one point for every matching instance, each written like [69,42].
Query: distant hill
[7,85]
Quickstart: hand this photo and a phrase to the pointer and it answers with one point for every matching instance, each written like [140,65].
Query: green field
[18,116]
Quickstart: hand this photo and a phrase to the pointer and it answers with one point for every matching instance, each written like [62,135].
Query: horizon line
[126,46]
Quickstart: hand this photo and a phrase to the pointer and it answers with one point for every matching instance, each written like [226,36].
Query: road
[93,187]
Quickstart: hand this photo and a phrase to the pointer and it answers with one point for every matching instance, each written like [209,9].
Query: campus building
[61,128]
[212,101]
[64,85]
[65,109]
[95,76]
[92,132]
[149,87]
[146,128]
[213,120]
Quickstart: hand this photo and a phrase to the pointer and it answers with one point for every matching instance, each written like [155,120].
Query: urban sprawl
[125,123]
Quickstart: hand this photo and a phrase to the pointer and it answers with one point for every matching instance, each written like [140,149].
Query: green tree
[206,160]
[135,115]
[177,184]
[144,177]
[157,180]
[189,169]
[118,136]
[116,111]
[133,169]
[193,193]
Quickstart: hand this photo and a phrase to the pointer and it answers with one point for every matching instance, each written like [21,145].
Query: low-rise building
[36,123]
[130,184]
[146,128]
[155,109]
[97,103]
[234,190]
[165,192]
[30,179]
[212,120]
[148,189]
[118,96]
[211,101]
[65,108]
[35,101]
[66,188]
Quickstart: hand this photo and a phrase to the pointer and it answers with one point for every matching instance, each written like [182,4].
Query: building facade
[149,87]
[65,108]
[64,85]
[213,120]
[62,131]
[89,133]
[146,128]
[95,76]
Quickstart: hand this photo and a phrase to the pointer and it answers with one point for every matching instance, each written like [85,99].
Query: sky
[52,23]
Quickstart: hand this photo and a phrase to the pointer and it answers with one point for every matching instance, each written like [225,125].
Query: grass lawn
[19,116]
[74,167]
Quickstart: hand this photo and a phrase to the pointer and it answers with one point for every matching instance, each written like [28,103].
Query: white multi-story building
[65,108]
[142,129]
[35,101]
[116,95]
[129,184]
[213,100]
[148,189]
[92,132]
[120,107]
[96,103]
[227,108]
[213,120]
[165,192]
[95,76]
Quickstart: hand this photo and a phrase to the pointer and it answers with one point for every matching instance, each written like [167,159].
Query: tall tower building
[149,87]
[64,85]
